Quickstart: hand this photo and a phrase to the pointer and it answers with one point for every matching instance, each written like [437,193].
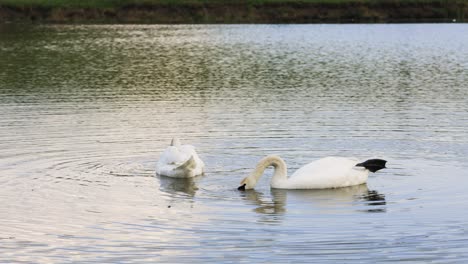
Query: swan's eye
[242,188]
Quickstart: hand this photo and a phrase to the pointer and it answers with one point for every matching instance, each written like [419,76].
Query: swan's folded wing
[334,165]
[323,173]
[180,161]
[172,155]
[188,165]
[184,170]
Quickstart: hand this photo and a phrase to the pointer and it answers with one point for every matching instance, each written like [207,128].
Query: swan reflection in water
[178,186]
[355,198]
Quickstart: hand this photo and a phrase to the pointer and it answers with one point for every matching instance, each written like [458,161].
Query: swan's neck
[280,174]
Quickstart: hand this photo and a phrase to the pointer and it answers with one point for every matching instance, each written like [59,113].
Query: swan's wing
[180,161]
[184,170]
[329,171]
[172,155]
[190,151]
[188,165]
[326,165]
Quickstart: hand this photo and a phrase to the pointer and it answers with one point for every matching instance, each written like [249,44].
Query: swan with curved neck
[329,172]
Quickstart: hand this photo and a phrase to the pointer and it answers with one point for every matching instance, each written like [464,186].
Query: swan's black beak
[241,188]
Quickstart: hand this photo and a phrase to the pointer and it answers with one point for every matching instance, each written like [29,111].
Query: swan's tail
[373,164]
[175,142]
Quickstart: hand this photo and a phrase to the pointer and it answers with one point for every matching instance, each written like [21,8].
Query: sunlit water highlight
[86,110]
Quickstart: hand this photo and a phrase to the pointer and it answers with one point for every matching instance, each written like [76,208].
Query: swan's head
[250,181]
[247,183]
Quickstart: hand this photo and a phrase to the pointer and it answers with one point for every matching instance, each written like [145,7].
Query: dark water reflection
[86,110]
[175,186]
[355,197]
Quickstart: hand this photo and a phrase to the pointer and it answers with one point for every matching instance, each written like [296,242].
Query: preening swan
[180,161]
[329,172]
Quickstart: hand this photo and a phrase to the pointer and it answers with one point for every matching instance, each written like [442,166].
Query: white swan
[329,172]
[180,161]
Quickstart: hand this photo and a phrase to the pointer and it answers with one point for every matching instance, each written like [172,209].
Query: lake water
[86,111]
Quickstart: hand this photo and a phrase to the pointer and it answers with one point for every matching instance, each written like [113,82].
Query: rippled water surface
[86,111]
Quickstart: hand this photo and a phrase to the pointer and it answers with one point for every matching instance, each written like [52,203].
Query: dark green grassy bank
[226,11]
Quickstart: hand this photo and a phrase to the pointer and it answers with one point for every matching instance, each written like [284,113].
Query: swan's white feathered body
[180,161]
[329,172]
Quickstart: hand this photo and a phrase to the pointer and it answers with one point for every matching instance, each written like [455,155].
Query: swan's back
[329,172]
[172,155]
[180,161]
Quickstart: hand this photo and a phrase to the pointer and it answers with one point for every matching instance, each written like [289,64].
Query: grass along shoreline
[225,11]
